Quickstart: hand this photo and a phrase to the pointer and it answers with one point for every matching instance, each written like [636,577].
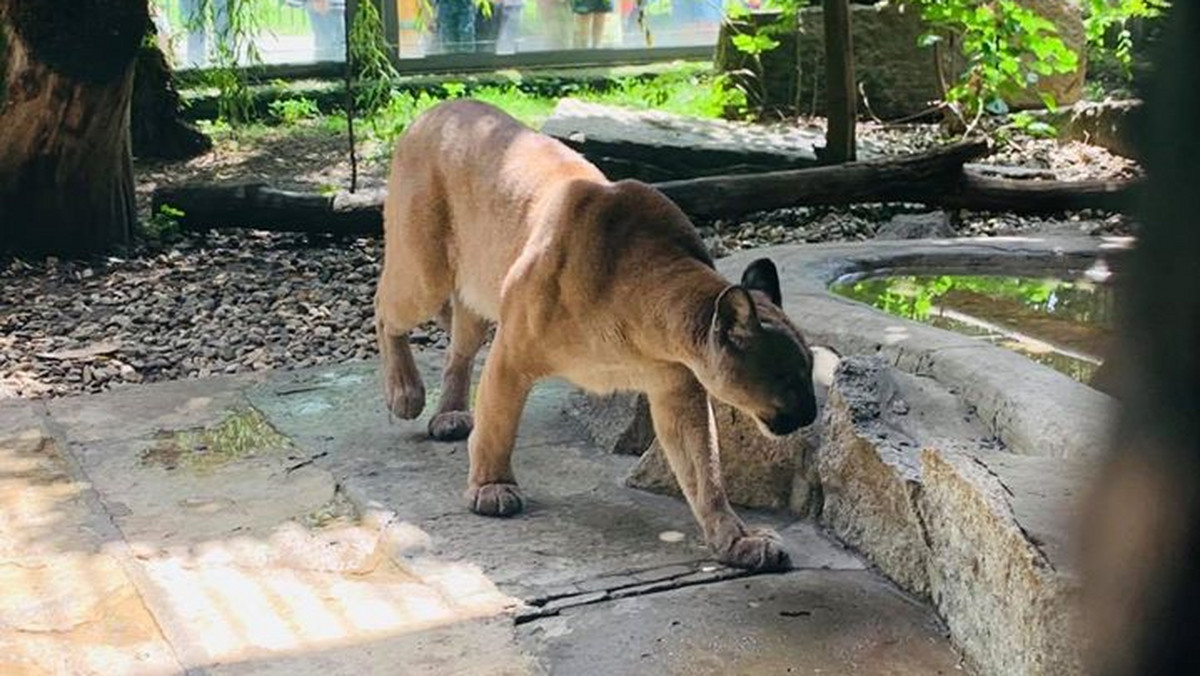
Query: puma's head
[756,359]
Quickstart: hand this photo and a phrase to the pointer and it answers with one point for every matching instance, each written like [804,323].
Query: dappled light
[80,600]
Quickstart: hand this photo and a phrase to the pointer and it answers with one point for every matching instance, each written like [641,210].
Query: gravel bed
[232,302]
[228,303]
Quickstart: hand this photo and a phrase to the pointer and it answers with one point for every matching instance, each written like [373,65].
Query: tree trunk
[66,175]
[840,98]
[1142,576]
[156,127]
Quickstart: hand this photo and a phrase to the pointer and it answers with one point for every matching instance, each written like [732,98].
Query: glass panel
[309,31]
[278,31]
[519,26]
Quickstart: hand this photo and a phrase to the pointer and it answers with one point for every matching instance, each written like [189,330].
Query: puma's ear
[735,318]
[761,275]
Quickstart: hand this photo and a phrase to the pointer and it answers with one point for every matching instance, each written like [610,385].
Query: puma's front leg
[686,429]
[503,388]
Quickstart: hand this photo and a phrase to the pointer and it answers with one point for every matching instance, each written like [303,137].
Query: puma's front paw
[405,402]
[758,550]
[496,499]
[451,425]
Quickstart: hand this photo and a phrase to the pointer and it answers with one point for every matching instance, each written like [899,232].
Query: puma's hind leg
[453,420]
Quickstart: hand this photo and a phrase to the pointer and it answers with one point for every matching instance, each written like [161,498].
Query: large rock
[658,146]
[995,524]
[913,480]
[759,471]
[870,473]
[932,225]
[619,422]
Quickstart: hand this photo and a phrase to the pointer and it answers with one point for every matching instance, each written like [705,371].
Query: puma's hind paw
[758,550]
[496,500]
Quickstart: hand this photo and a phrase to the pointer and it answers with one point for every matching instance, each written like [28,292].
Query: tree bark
[260,207]
[156,127]
[841,101]
[66,175]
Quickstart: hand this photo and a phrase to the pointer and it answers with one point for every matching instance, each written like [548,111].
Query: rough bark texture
[841,99]
[66,176]
[156,126]
[937,178]
[1143,544]
[257,206]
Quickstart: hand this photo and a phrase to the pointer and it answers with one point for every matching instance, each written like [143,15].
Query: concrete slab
[67,606]
[581,522]
[808,622]
[278,524]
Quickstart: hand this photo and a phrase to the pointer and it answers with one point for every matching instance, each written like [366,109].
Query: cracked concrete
[137,542]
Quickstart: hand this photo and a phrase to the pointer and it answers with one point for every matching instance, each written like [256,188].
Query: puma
[606,284]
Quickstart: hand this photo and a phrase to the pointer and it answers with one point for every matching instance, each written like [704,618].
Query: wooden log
[912,178]
[936,178]
[255,205]
[984,193]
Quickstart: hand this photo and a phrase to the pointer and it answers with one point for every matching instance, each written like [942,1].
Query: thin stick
[347,24]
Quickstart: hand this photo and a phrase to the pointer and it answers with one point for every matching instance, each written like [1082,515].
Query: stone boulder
[656,146]
[931,225]
[760,472]
[914,481]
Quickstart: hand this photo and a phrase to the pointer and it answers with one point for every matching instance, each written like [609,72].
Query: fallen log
[937,178]
[258,206]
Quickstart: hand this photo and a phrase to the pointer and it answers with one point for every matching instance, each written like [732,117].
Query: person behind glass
[590,16]
[328,21]
[498,30]
[455,25]
[554,18]
[195,22]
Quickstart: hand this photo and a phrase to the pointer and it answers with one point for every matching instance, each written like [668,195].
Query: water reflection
[1064,324]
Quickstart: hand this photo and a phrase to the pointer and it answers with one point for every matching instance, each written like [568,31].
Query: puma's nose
[785,423]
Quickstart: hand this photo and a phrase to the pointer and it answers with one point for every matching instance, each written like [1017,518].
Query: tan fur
[604,284]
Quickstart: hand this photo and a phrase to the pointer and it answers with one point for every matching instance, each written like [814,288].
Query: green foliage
[1007,48]
[370,56]
[162,227]
[1030,125]
[754,45]
[235,55]
[291,111]
[1107,25]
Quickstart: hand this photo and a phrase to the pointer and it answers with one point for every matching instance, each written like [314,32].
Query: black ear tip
[763,263]
[762,275]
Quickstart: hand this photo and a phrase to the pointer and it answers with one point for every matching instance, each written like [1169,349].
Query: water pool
[1063,323]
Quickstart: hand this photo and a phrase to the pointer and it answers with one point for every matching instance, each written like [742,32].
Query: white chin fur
[766,432]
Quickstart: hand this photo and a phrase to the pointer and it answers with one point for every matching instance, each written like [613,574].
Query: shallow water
[1064,324]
